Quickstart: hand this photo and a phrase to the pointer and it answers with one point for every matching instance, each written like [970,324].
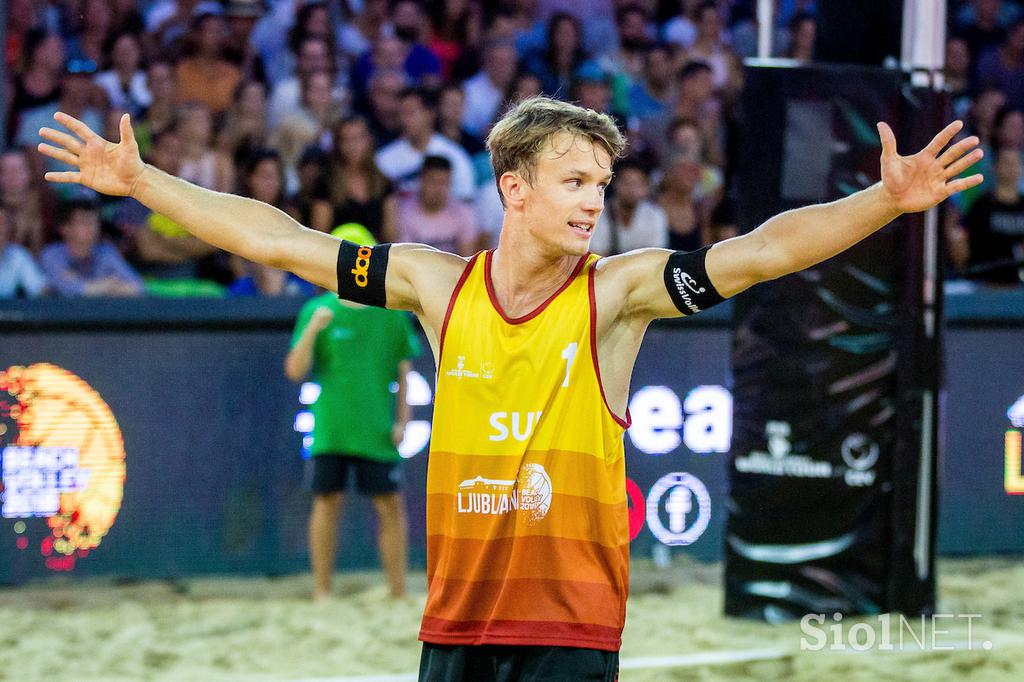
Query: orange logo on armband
[362,268]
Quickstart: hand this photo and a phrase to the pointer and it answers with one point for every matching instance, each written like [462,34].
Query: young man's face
[417,119]
[435,188]
[567,196]
[81,232]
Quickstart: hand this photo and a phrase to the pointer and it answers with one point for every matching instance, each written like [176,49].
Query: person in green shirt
[355,353]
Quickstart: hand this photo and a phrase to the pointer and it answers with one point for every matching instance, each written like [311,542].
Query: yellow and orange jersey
[527,527]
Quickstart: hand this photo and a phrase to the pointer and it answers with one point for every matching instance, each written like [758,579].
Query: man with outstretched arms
[527,530]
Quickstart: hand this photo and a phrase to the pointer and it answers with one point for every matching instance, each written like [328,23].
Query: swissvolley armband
[361,271]
[686,279]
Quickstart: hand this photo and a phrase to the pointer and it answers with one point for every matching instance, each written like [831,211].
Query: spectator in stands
[314,54]
[634,40]
[124,83]
[245,123]
[311,171]
[395,53]
[290,140]
[76,98]
[38,83]
[201,162]
[20,202]
[430,216]
[161,114]
[19,274]
[685,138]
[681,29]
[958,74]
[995,225]
[524,85]
[80,264]
[688,225]
[711,46]
[242,17]
[983,23]
[89,41]
[455,37]
[592,88]
[356,190]
[1003,67]
[358,34]
[630,220]
[561,56]
[695,101]
[485,91]
[206,75]
[802,31]
[654,92]
[381,109]
[163,249]
[451,112]
[263,180]
[401,160]
[1008,129]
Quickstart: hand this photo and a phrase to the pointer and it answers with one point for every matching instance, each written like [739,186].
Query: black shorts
[441,663]
[331,475]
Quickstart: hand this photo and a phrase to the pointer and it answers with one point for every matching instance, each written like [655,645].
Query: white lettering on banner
[35,477]
[522,424]
[658,417]
[708,426]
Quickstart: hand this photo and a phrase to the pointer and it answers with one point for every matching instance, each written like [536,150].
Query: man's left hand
[918,182]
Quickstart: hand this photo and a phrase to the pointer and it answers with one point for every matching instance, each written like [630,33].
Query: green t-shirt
[355,361]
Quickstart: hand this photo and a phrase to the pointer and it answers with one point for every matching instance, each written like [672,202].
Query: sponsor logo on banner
[860,454]
[530,494]
[779,460]
[687,506]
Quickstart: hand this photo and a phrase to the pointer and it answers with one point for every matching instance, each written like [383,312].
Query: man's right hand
[321,318]
[103,166]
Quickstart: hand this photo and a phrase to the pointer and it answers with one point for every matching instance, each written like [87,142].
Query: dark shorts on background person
[442,663]
[331,474]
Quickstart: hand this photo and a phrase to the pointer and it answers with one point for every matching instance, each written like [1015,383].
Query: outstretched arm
[800,238]
[249,228]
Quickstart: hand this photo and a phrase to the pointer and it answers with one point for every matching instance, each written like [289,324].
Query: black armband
[687,282]
[361,271]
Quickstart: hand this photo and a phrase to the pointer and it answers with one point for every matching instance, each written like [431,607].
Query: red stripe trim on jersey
[520,633]
[539,309]
[451,305]
[624,423]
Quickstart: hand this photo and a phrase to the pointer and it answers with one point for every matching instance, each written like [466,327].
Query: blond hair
[518,138]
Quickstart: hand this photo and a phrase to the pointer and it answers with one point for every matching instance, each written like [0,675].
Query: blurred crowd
[375,112]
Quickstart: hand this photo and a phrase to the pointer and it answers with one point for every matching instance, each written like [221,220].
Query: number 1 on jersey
[569,354]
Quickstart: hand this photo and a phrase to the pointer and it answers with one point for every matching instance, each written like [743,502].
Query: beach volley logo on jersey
[460,372]
[530,494]
[61,459]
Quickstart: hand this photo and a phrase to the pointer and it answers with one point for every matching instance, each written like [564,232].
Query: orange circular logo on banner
[62,459]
